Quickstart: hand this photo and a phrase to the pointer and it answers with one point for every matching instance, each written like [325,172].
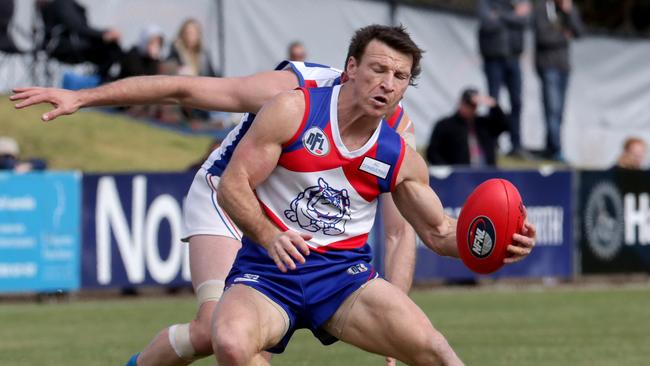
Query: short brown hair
[395,37]
[631,141]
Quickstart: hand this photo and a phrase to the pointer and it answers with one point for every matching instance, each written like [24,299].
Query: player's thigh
[382,319]
[211,257]
[246,316]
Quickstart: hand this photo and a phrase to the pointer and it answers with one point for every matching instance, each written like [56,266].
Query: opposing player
[213,239]
[303,185]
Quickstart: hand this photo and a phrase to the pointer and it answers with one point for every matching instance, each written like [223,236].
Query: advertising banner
[131,230]
[614,214]
[39,231]
[548,200]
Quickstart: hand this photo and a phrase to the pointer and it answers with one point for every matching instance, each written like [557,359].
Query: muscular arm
[399,236]
[253,161]
[239,94]
[422,208]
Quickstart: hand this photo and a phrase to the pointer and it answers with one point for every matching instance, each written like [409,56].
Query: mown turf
[92,141]
[486,327]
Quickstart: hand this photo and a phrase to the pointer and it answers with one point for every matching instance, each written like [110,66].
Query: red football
[492,213]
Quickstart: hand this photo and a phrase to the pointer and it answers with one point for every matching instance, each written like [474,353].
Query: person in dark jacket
[465,138]
[556,22]
[501,42]
[70,39]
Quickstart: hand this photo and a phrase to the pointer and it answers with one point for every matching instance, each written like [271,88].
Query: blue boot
[133,360]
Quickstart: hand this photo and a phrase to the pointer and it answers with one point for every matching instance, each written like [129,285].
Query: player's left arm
[399,236]
[422,208]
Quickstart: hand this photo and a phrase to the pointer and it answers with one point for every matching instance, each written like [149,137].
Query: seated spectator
[145,58]
[188,57]
[69,38]
[634,154]
[9,158]
[296,51]
[465,138]
[187,53]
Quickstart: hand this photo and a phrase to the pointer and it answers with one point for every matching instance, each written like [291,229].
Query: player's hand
[390,361]
[64,101]
[522,244]
[287,248]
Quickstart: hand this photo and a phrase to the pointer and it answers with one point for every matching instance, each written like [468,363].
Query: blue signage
[549,203]
[39,231]
[131,230]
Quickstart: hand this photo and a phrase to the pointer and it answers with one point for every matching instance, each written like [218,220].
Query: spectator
[465,138]
[189,58]
[501,43]
[69,38]
[556,23]
[296,51]
[145,58]
[9,157]
[633,155]
[187,53]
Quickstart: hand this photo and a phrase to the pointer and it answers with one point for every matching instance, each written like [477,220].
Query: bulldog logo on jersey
[321,208]
[315,141]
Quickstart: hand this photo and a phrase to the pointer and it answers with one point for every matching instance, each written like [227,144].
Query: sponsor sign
[131,230]
[614,216]
[39,231]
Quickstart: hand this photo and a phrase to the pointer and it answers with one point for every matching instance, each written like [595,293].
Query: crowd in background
[469,136]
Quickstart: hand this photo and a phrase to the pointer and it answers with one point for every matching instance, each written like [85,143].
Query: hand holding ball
[492,213]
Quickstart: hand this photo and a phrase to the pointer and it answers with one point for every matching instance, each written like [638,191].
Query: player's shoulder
[312,74]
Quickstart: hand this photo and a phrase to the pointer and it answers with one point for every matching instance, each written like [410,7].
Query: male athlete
[213,240]
[303,186]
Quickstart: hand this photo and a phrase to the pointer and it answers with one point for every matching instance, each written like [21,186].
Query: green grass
[98,142]
[486,327]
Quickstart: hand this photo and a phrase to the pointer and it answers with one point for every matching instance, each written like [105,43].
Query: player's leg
[380,318]
[245,323]
[213,245]
[211,258]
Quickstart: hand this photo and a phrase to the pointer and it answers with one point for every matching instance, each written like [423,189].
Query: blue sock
[133,360]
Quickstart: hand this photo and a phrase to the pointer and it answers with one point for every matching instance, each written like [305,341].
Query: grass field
[92,141]
[486,326]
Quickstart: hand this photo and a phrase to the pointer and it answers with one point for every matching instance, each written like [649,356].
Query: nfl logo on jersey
[316,142]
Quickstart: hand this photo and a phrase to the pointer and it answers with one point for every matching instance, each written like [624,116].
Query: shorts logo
[321,208]
[247,277]
[357,268]
[315,141]
[481,237]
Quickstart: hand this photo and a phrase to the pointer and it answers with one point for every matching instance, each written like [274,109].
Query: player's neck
[355,125]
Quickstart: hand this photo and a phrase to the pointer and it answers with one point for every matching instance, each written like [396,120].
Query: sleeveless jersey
[321,188]
[310,75]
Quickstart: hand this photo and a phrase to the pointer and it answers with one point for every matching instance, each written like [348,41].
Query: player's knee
[433,350]
[230,349]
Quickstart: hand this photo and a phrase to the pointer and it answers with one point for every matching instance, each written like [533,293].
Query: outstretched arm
[239,94]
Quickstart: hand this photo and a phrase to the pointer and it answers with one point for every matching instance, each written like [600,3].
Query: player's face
[381,77]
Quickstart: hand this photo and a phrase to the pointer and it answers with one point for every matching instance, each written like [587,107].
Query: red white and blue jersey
[310,75]
[321,188]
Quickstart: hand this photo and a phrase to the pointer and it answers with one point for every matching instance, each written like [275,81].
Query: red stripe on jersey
[392,120]
[311,84]
[364,183]
[276,220]
[398,164]
[350,243]
[302,160]
[303,122]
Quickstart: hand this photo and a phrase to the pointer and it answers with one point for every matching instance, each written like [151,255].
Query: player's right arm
[422,208]
[238,94]
[252,162]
